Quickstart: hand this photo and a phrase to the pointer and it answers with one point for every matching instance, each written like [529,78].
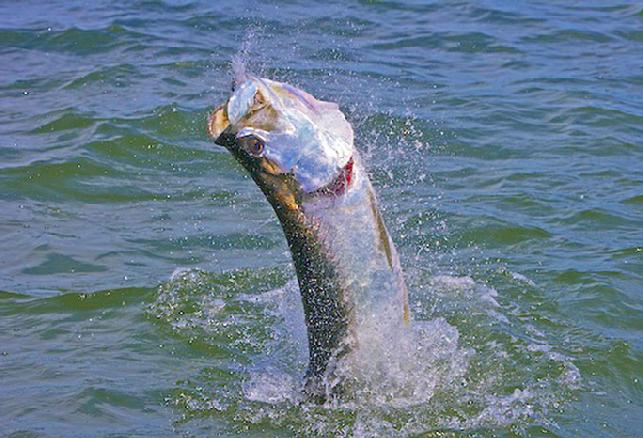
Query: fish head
[290,142]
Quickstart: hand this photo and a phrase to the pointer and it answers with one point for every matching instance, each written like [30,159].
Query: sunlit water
[148,288]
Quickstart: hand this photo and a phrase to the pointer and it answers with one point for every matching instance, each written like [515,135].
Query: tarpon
[299,150]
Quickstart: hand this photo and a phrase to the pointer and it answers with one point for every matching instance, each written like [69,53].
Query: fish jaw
[218,123]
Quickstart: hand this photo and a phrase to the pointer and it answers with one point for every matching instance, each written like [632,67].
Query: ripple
[114,75]
[597,217]
[497,16]
[637,199]
[502,235]
[56,263]
[69,180]
[470,42]
[66,120]
[568,35]
[210,242]
[84,41]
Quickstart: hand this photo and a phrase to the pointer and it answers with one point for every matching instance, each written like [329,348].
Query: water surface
[145,285]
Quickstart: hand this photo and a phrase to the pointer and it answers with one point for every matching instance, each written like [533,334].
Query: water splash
[239,70]
[402,381]
[247,58]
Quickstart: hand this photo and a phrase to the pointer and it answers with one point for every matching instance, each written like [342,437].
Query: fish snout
[219,127]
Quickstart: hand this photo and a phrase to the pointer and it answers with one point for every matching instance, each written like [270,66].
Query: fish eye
[252,145]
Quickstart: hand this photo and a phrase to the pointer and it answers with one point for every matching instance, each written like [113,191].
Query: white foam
[465,290]
[519,277]
[181,272]
[273,386]
[402,366]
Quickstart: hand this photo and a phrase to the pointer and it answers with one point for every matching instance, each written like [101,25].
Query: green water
[145,285]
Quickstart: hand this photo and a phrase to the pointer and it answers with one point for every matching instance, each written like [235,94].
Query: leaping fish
[300,152]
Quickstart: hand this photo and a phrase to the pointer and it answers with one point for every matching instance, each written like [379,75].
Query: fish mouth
[224,134]
[219,127]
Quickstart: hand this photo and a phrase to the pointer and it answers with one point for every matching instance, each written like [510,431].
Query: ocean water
[146,288]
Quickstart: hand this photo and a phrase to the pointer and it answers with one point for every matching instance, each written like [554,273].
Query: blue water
[504,140]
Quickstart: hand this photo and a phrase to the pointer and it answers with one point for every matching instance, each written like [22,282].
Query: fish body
[299,150]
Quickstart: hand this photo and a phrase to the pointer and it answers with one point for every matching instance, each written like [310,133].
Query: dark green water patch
[110,76]
[56,263]
[68,120]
